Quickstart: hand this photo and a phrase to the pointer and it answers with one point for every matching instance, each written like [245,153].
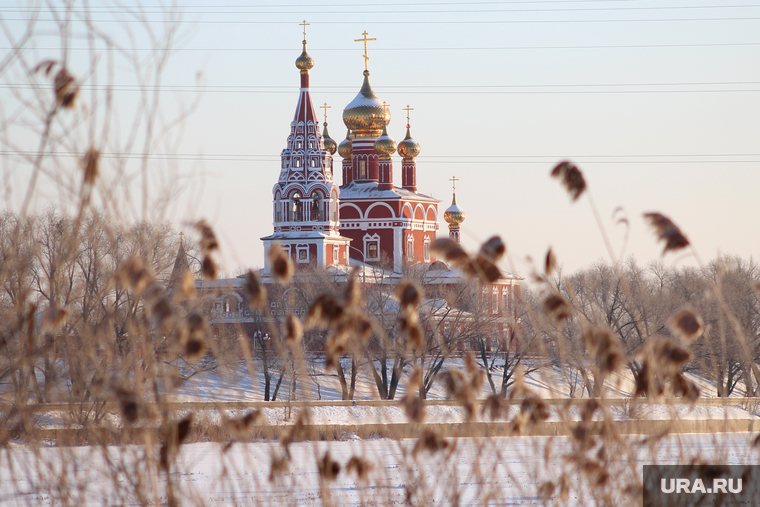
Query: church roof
[305,235]
[370,190]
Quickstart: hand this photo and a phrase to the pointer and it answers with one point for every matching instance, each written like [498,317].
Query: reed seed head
[450,250]
[90,166]
[408,294]
[209,242]
[281,264]
[324,311]
[556,307]
[254,291]
[667,232]
[430,442]
[493,248]
[550,262]
[571,178]
[65,88]
[53,319]
[208,268]
[133,274]
[293,330]
[686,325]
[328,468]
[359,466]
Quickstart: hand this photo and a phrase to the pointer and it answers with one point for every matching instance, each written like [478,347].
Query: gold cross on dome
[453,181]
[325,107]
[407,109]
[385,106]
[304,25]
[365,39]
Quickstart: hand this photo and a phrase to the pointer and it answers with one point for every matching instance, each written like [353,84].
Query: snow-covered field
[497,471]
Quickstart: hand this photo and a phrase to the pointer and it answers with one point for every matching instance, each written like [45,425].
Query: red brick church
[366,221]
[367,217]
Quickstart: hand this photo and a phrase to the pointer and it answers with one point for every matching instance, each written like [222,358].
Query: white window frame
[299,249]
[375,238]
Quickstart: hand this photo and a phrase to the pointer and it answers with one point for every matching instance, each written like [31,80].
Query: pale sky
[657,102]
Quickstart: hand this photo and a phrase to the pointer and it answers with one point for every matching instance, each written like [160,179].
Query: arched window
[410,248]
[334,207]
[296,208]
[317,209]
[505,298]
[426,249]
[495,299]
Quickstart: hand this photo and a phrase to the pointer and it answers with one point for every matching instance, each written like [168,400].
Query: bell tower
[305,197]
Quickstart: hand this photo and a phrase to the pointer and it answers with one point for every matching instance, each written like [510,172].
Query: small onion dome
[304,62]
[345,148]
[408,148]
[365,115]
[454,214]
[385,145]
[330,144]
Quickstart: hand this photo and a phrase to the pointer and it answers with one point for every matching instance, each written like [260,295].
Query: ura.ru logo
[698,486]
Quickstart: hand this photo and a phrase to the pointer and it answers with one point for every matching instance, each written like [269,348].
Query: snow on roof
[370,190]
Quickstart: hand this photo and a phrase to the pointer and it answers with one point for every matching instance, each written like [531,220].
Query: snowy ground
[498,471]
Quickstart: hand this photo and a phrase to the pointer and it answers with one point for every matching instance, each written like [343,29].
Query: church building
[364,220]
[367,217]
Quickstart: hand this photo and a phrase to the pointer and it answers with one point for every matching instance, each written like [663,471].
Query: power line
[313,5]
[381,49]
[417,89]
[436,159]
[425,22]
[403,87]
[188,10]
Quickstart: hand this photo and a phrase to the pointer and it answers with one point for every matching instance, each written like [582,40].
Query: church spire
[408,149]
[181,266]
[454,215]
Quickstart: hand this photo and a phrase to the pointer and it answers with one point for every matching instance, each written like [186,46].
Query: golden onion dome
[454,214]
[408,148]
[385,145]
[345,148]
[330,144]
[366,115]
[304,62]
